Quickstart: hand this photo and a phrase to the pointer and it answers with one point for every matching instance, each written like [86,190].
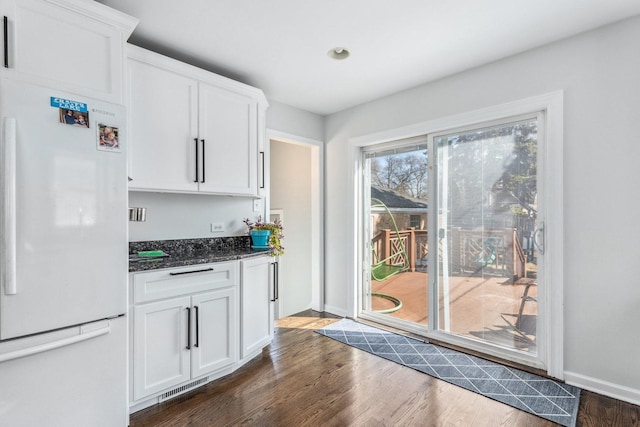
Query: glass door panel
[487,209]
[395,211]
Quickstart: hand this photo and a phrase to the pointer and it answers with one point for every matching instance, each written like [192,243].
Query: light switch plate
[257,205]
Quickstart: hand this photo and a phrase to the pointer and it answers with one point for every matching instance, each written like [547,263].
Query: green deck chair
[383,269]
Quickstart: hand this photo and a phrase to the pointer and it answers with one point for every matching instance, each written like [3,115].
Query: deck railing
[469,251]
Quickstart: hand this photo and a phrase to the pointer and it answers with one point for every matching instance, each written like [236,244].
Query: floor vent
[182,389]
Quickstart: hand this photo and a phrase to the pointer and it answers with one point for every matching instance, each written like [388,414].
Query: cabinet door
[215,331]
[256,318]
[228,125]
[160,355]
[163,129]
[71,49]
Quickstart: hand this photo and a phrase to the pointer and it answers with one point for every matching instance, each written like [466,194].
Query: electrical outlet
[217,227]
[257,205]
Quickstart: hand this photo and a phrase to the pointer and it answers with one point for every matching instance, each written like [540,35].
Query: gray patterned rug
[537,395]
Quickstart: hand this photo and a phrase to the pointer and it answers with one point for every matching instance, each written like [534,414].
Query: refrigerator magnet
[108,138]
[71,112]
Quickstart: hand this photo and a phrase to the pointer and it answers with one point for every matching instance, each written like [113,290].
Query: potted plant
[266,234]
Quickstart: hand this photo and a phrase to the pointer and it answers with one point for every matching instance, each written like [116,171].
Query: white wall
[287,119]
[599,73]
[182,216]
[291,191]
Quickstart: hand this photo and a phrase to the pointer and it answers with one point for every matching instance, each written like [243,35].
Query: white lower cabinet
[258,293]
[215,336]
[184,326]
[159,357]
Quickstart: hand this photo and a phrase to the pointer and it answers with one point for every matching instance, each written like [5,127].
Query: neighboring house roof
[396,201]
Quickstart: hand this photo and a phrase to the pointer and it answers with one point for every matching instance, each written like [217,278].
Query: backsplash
[189,216]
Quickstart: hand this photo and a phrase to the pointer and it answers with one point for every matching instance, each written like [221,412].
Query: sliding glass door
[486,263]
[452,237]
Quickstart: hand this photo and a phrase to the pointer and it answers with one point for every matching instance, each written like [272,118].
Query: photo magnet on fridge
[71,112]
[108,138]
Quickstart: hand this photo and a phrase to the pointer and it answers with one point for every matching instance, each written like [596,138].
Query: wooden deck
[480,307]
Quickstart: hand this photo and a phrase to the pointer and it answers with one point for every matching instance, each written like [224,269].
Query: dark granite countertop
[185,252]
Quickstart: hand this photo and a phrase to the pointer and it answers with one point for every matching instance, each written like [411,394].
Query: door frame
[317,206]
[552,105]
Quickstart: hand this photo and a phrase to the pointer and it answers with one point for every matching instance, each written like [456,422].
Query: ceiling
[281,46]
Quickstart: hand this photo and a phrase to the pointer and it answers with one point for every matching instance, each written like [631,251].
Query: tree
[405,173]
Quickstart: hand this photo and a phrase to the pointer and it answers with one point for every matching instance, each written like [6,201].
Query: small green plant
[277,233]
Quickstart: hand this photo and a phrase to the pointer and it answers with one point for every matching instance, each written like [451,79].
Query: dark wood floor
[305,379]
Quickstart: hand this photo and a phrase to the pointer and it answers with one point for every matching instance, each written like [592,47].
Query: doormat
[537,395]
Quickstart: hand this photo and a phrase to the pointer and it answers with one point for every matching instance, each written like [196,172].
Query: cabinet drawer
[171,282]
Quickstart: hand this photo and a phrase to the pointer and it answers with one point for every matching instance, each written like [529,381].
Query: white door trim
[317,206]
[552,105]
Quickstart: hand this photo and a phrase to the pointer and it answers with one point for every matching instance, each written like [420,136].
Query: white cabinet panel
[256,306]
[68,44]
[160,355]
[163,116]
[228,127]
[215,341]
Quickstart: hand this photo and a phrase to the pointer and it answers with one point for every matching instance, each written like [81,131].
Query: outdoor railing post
[412,248]
[387,244]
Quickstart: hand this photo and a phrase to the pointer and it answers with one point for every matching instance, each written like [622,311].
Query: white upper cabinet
[163,128]
[228,132]
[72,45]
[191,130]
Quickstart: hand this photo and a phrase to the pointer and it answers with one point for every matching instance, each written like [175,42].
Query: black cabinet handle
[275,281]
[188,328]
[197,344]
[262,156]
[203,160]
[196,141]
[6,42]
[189,272]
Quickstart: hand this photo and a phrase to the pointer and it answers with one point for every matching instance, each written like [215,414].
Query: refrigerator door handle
[9,196]
[83,336]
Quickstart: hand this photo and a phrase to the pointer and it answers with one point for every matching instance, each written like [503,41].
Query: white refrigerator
[63,259]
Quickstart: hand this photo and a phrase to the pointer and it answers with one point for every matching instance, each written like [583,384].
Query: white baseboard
[605,388]
[335,311]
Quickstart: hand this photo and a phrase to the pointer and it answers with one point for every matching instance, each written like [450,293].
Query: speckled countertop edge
[185,252]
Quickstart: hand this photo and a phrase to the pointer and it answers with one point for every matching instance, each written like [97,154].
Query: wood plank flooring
[305,379]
